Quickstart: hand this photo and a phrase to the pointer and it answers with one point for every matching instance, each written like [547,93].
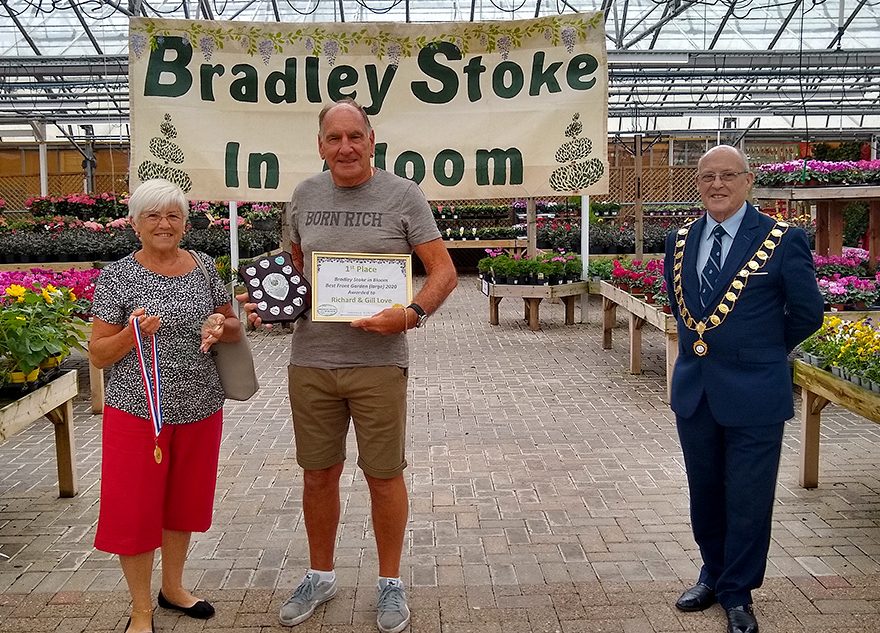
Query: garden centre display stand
[830,202]
[819,387]
[639,314]
[55,401]
[513,247]
[532,297]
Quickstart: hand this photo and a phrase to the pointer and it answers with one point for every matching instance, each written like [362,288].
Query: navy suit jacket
[745,375]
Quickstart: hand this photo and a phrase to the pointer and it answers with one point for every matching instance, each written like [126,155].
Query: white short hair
[157,194]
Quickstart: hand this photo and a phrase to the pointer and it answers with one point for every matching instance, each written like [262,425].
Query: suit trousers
[731,472]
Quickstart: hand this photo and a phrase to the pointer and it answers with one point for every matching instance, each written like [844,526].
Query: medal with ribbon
[152,384]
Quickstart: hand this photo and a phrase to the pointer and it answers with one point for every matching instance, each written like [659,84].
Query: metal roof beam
[838,39]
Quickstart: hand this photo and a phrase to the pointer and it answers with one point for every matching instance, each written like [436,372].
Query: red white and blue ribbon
[152,384]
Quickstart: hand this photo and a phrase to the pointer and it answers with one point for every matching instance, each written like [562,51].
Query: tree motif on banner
[167,152]
[574,175]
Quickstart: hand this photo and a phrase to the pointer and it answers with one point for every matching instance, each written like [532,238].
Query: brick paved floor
[547,495]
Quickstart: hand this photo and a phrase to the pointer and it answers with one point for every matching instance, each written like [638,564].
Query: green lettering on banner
[444,158]
[288,81]
[340,78]
[429,65]
[500,159]
[378,91]
[503,88]
[244,88]
[313,92]
[401,166]
[157,65]
[231,164]
[256,162]
[541,77]
[473,70]
[206,78]
[579,67]
[381,150]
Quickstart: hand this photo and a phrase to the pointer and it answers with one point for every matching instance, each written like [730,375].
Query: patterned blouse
[191,389]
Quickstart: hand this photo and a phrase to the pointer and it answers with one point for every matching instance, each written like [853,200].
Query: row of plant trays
[16,384]
[842,372]
[531,281]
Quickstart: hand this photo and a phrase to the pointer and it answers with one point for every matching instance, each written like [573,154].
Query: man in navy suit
[744,295]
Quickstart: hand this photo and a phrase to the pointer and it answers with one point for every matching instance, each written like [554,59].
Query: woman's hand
[212,330]
[148,325]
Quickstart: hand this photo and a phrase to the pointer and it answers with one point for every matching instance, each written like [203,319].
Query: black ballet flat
[201,610]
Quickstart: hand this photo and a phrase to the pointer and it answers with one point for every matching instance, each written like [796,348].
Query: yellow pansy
[16,291]
[46,296]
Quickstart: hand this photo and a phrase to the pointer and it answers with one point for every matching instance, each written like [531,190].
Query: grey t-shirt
[386,214]
[190,385]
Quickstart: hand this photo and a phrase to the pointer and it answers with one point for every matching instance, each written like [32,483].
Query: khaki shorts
[324,400]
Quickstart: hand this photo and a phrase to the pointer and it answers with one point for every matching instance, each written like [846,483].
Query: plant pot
[649,299]
[667,309]
[199,221]
[875,386]
[837,371]
[52,361]
[837,307]
[264,224]
[20,378]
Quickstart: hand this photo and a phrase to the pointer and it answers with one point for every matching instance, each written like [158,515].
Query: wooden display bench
[55,401]
[830,202]
[532,297]
[639,313]
[512,246]
[818,388]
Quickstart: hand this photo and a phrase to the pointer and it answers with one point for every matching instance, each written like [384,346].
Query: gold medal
[700,347]
[157,454]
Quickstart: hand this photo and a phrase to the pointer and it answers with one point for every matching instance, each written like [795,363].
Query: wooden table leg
[835,228]
[823,214]
[584,299]
[532,312]
[671,356]
[96,388]
[609,317]
[874,234]
[493,309]
[811,409]
[635,344]
[65,448]
[569,309]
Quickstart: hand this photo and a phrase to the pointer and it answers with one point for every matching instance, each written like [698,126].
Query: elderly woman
[157,482]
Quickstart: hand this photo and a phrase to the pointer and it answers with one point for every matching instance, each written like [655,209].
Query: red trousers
[140,498]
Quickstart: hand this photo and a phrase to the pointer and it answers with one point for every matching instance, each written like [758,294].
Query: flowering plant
[261,211]
[803,171]
[2,205]
[839,289]
[36,324]
[854,345]
[853,261]
[80,282]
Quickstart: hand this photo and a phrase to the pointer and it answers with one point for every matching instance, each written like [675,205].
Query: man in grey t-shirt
[356,371]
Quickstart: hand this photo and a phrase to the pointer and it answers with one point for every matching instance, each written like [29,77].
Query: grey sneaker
[305,599]
[393,614]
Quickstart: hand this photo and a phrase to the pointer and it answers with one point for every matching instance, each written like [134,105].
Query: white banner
[229,110]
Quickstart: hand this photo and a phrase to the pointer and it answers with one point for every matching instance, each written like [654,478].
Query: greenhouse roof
[785,67]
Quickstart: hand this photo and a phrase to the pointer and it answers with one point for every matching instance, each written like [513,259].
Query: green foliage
[600,268]
[855,222]
[850,150]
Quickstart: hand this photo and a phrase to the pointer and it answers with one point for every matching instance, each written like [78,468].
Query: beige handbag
[234,361]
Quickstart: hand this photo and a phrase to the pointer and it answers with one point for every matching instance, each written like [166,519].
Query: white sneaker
[393,614]
[301,605]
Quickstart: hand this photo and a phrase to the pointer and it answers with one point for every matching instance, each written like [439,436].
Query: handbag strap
[201,266]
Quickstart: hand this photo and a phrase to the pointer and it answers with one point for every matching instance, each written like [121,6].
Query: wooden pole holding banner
[585,252]
[233,248]
[532,227]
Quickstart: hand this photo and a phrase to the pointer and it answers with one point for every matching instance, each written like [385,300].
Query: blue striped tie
[709,276]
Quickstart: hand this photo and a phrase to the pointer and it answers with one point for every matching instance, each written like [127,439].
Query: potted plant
[35,325]
[263,217]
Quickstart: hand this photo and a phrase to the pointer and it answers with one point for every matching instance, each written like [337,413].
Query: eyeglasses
[726,176]
[154,217]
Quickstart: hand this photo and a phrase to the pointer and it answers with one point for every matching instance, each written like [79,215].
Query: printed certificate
[350,286]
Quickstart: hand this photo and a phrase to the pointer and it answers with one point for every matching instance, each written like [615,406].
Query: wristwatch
[420,312]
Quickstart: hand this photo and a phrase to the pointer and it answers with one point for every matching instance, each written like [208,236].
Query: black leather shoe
[741,620]
[697,598]
[201,610]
